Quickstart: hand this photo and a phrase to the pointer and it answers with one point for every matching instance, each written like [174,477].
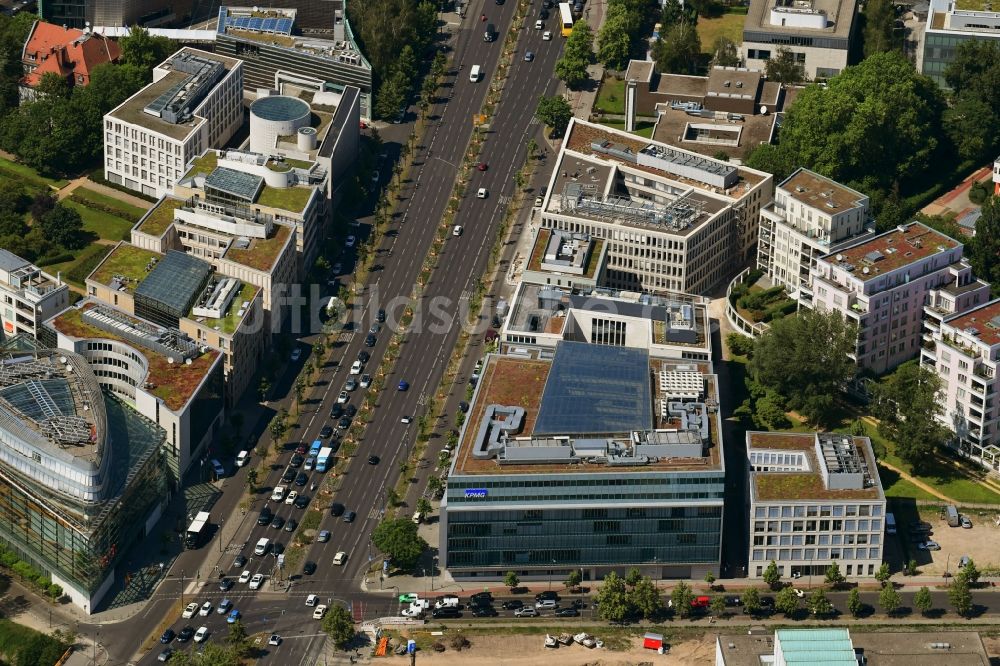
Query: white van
[262,546]
[446,602]
[242,458]
[475,73]
[418,517]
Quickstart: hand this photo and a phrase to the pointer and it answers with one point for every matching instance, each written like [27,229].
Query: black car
[289,475]
[277,522]
[326,432]
[370,340]
[336,411]
[543,13]
[344,423]
[463,406]
[380,317]
[350,516]
[513,604]
[185,634]
[364,356]
[291,524]
[547,4]
[240,561]
[351,411]
[168,636]
[301,478]
[226,584]
[767,603]
[296,460]
[446,613]
[481,599]
[734,601]
[301,501]
[265,516]
[567,612]
[372,460]
[309,568]
[337,509]
[546,596]
[484,611]
[277,548]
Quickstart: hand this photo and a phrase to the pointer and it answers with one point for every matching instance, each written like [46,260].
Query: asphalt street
[276,607]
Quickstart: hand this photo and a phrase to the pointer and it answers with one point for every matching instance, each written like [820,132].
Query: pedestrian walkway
[84,181]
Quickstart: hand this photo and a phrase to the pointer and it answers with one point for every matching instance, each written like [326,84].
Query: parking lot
[980,543]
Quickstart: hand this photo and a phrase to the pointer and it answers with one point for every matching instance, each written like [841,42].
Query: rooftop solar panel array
[281,26]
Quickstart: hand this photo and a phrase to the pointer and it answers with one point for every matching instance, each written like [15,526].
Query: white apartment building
[819,33]
[28,295]
[964,351]
[673,220]
[194,103]
[815,499]
[811,216]
[882,285]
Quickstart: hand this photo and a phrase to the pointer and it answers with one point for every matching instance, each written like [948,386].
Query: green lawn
[29,175]
[727,25]
[611,96]
[127,210]
[895,486]
[642,127]
[104,225]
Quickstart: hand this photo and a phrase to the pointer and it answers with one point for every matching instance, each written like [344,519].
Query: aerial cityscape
[517,332]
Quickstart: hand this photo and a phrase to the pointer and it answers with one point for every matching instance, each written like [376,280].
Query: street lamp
[182,587]
[222,526]
[97,636]
[433,567]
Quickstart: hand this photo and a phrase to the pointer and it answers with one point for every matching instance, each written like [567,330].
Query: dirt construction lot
[981,543]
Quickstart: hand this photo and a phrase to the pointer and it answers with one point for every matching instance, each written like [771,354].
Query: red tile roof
[67,52]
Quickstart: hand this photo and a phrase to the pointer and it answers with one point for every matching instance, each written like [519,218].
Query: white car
[343,397]
[356,367]
[406,419]
[201,634]
[482,193]
[189,611]
[278,494]
[319,612]
[457,231]
[275,639]
[312,600]
[547,36]
[245,577]
[291,497]
[256,581]
[412,611]
[340,558]
[366,381]
[539,24]
[799,593]
[206,609]
[351,240]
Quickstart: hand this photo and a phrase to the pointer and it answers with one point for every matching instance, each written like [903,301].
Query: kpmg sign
[476,493]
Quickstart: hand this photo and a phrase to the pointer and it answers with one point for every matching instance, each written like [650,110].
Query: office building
[949,25]
[964,351]
[194,103]
[81,473]
[666,327]
[811,216]
[593,458]
[68,53]
[28,295]
[819,33]
[187,296]
[147,13]
[672,220]
[881,285]
[815,499]
[272,45]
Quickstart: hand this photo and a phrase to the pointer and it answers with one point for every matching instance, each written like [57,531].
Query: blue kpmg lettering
[475,492]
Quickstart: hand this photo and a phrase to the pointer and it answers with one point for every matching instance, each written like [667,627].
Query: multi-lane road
[277,608]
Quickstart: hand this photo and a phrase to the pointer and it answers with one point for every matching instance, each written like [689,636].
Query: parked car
[185,634]
[225,584]
[302,477]
[165,655]
[245,577]
[301,501]
[356,368]
[526,611]
[201,634]
[567,612]
[190,610]
[296,460]
[484,611]
[512,604]
[224,606]
[547,595]
[290,525]
[217,467]
[256,581]
[265,516]
[323,536]
[344,423]
[277,522]
[929,545]
[966,523]
[291,497]
[366,381]
[168,636]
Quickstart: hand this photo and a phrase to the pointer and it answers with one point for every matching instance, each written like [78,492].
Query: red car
[482,166]
[302,449]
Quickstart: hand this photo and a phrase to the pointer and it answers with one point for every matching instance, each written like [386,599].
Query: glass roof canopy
[246,186]
[174,283]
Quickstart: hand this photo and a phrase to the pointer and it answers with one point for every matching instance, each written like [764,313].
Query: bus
[324,458]
[197,531]
[566,16]
[316,446]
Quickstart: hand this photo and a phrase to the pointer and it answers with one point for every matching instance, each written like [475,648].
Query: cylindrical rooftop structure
[275,116]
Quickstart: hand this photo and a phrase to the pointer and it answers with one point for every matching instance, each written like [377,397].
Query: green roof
[203,165]
[292,199]
[125,261]
[231,320]
[160,217]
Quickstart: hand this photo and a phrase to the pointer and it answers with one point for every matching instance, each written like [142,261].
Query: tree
[680,599]
[436,486]
[784,68]
[710,578]
[771,575]
[614,604]
[786,601]
[511,580]
[571,71]
[750,600]
[53,85]
[854,604]
[614,45]
[671,13]
[41,205]
[718,605]
[573,579]
[739,344]
[339,626]
[834,577]
[769,412]
[725,53]
[880,28]
[278,427]
[645,598]
[888,599]
[391,97]
[580,43]
[970,572]
[632,576]
[678,52]
[960,595]
[424,505]
[263,388]
[142,50]
[531,148]
[252,480]
[804,359]
[822,131]
[819,604]
[906,405]
[968,121]
[922,600]
[882,574]
[555,112]
[985,255]
[39,649]
[399,541]
[300,389]
[237,635]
